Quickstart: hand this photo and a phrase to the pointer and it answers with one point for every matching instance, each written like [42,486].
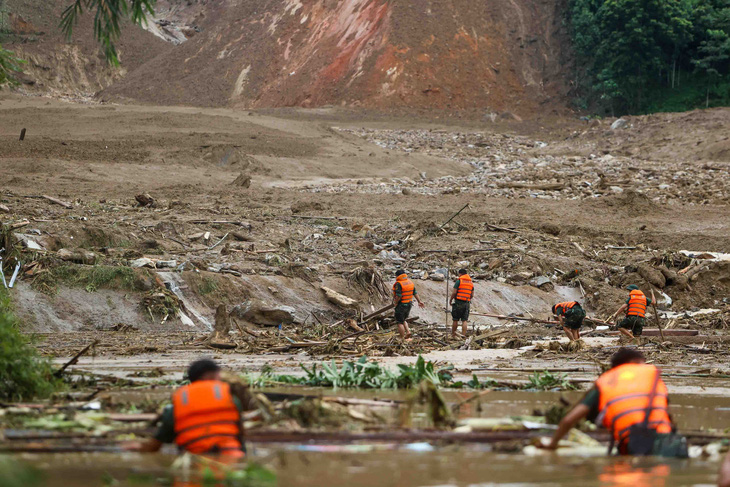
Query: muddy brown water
[387,466]
[417,464]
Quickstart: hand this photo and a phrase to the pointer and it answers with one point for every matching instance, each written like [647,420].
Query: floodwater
[388,466]
[405,465]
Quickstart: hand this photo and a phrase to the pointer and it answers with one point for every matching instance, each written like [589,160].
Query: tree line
[637,56]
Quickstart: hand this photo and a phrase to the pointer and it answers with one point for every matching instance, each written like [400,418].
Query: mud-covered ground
[263,208]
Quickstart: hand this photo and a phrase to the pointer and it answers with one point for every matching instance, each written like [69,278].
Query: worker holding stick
[461,302]
[404,292]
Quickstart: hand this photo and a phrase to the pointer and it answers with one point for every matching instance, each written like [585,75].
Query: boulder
[145,200]
[619,124]
[543,283]
[261,313]
[242,181]
[77,256]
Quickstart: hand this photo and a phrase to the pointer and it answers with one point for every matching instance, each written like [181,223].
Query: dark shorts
[460,310]
[402,311]
[633,323]
[574,318]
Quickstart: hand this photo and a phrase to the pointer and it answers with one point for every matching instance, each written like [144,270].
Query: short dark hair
[554,306]
[625,356]
[201,367]
[399,272]
[462,272]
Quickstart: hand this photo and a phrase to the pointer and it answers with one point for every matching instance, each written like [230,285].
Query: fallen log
[66,205]
[539,186]
[339,299]
[654,332]
[499,229]
[518,318]
[377,313]
[74,359]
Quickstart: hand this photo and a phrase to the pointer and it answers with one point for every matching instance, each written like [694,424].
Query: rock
[166,264]
[144,283]
[495,263]
[617,189]
[4,209]
[652,275]
[366,244]
[240,237]
[145,200]
[142,262]
[339,299]
[261,313]
[437,277]
[242,181]
[594,123]
[619,124]
[543,283]
[28,242]
[301,206]
[442,270]
[77,256]
[406,192]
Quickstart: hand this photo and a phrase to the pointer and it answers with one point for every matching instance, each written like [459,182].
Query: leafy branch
[107,19]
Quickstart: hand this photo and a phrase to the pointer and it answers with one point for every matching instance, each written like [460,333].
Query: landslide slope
[503,55]
[58,67]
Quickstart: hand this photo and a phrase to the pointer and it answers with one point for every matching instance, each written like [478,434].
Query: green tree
[108,17]
[9,66]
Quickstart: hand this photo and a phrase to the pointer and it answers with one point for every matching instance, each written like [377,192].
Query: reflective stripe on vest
[637,304]
[624,395]
[206,418]
[406,289]
[466,288]
[566,306]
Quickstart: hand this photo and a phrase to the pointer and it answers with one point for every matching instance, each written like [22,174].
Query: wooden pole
[656,314]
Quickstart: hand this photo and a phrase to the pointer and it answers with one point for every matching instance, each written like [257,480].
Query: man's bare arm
[568,422]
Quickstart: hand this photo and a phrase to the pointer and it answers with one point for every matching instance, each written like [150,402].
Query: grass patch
[89,277]
[371,375]
[207,285]
[24,375]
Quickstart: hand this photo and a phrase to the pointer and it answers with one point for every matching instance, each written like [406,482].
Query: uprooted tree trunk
[220,337]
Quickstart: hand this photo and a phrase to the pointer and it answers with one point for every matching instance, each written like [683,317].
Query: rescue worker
[404,292]
[620,400]
[204,418]
[570,314]
[635,307]
[461,302]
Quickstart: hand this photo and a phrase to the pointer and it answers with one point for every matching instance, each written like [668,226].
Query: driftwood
[542,187]
[66,205]
[518,318]
[377,313]
[220,337]
[339,299]
[74,359]
[499,229]
[656,314]
[453,216]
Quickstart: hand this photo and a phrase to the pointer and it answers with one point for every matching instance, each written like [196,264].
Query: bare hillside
[504,55]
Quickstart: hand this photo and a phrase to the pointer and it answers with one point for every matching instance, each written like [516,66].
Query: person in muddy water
[631,400]
[570,315]
[404,292]
[461,302]
[204,417]
[635,307]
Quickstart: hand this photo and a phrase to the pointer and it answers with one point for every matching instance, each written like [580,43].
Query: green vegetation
[90,277]
[208,285]
[23,374]
[18,474]
[637,56]
[108,15]
[9,66]
[363,374]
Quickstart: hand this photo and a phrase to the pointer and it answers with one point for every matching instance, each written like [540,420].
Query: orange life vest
[206,418]
[565,306]
[466,288]
[637,304]
[624,397]
[406,289]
